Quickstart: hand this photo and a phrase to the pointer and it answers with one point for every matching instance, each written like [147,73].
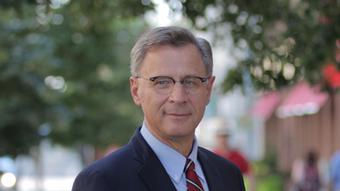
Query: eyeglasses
[165,84]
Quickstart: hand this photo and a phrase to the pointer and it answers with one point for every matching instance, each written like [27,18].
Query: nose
[178,93]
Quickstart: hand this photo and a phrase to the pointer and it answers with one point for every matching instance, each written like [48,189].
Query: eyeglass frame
[203,80]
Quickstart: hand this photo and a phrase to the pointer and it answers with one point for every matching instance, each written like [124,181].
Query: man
[171,81]
[224,150]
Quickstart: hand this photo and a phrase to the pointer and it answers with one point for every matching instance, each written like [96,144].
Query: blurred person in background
[305,173]
[171,81]
[223,149]
[335,171]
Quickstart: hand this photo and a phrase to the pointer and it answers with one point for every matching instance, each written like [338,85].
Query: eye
[191,82]
[162,82]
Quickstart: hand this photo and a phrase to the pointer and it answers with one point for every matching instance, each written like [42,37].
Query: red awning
[302,100]
[266,105]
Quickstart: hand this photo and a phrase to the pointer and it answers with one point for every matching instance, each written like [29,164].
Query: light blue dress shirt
[173,161]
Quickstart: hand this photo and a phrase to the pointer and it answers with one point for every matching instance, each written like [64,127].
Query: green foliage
[233,78]
[285,41]
[267,176]
[64,72]
[271,182]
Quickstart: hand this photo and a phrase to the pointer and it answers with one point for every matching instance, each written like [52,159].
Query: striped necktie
[193,182]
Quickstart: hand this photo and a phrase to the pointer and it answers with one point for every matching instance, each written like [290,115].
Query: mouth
[178,115]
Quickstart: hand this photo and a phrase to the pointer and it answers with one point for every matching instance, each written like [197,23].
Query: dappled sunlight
[56,83]
[48,183]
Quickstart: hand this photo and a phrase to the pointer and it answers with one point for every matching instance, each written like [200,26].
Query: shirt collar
[172,160]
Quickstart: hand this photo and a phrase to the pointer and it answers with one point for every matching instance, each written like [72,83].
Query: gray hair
[174,36]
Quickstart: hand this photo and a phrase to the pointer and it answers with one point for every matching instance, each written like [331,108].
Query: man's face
[176,114]
[222,141]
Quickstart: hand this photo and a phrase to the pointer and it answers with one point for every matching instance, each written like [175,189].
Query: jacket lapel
[152,172]
[155,176]
[212,176]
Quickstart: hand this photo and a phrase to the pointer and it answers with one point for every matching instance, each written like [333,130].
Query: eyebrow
[186,76]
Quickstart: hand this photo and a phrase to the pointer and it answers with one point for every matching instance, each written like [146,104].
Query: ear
[210,87]
[134,90]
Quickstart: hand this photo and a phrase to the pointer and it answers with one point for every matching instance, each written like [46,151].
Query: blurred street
[54,171]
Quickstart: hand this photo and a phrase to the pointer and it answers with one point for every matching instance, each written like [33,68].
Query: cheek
[200,101]
[151,102]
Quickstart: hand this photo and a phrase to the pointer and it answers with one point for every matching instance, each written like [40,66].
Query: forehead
[179,60]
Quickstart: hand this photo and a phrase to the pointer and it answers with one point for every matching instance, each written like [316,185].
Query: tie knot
[190,165]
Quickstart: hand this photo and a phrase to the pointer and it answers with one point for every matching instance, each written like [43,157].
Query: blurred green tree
[64,69]
[284,41]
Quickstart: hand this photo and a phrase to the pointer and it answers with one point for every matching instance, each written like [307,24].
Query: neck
[182,146]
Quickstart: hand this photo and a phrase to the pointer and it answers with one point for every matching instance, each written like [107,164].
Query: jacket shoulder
[221,173]
[209,154]
[106,173]
[218,161]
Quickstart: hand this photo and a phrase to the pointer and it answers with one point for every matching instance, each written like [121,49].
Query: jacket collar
[151,172]
[211,173]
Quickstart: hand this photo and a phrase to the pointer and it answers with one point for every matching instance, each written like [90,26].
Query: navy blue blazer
[135,167]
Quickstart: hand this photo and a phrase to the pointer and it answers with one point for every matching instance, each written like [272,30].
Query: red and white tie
[193,182]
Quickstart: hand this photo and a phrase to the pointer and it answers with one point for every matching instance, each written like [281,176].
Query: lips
[178,114]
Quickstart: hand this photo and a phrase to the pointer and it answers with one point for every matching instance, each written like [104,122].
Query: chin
[179,130]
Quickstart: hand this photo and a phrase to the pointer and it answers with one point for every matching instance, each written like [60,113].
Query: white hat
[223,131]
